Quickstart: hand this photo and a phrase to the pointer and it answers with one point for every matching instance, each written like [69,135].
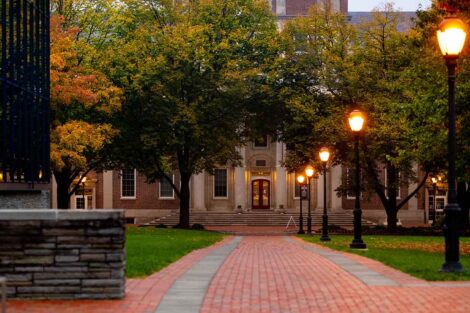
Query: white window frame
[348,197]
[213,185]
[85,202]
[386,185]
[160,190]
[135,187]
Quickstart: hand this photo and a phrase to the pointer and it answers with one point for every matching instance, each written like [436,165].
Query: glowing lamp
[324,154]
[356,120]
[451,36]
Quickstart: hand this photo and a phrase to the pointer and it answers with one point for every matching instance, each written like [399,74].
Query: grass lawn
[148,250]
[418,256]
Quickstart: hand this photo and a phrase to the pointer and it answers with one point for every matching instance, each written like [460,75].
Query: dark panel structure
[24,92]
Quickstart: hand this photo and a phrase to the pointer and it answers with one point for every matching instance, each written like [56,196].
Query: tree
[82,104]
[367,68]
[197,70]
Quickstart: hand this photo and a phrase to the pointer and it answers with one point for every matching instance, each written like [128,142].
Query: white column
[198,192]
[413,203]
[240,182]
[108,190]
[281,177]
[335,178]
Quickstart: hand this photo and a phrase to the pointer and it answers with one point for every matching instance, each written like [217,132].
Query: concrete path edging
[188,292]
[360,271]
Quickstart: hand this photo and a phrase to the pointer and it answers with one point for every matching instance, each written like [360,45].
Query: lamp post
[300,180]
[451,36]
[324,157]
[83,191]
[309,171]
[356,122]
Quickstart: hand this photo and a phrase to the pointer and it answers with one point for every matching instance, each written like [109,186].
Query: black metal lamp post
[309,171]
[324,157]
[83,191]
[451,36]
[356,122]
[300,180]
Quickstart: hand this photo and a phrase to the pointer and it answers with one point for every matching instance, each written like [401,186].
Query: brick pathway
[272,274]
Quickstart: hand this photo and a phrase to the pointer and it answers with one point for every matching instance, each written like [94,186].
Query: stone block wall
[63,254]
[25,199]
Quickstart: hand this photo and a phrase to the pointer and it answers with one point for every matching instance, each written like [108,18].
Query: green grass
[415,255]
[148,250]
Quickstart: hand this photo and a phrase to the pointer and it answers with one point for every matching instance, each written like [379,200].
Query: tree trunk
[63,198]
[392,219]
[392,191]
[184,201]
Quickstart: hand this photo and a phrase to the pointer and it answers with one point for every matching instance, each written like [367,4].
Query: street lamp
[451,36]
[309,171]
[83,191]
[356,123]
[301,180]
[324,157]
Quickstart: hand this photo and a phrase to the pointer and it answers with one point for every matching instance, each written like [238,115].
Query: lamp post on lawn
[324,157]
[83,191]
[356,122]
[300,180]
[451,36]
[309,171]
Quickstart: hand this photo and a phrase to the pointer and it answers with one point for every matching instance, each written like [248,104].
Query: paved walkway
[272,274]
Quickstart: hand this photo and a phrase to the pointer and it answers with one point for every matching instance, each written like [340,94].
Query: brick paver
[272,274]
[269,274]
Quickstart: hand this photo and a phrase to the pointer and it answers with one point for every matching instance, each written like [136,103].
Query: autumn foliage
[82,103]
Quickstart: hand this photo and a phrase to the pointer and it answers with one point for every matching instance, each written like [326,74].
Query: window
[296,188]
[261,163]
[261,142]
[166,191]
[128,185]
[281,7]
[220,183]
[386,184]
[80,202]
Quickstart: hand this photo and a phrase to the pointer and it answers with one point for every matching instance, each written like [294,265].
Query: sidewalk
[272,274]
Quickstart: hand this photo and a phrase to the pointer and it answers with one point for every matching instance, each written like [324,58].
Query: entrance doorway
[261,194]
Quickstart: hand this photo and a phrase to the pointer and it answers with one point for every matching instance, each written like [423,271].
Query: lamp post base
[325,238]
[451,267]
[301,232]
[358,245]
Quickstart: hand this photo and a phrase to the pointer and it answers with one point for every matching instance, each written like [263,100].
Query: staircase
[257,218]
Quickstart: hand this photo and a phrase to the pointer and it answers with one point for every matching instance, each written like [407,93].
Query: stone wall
[63,254]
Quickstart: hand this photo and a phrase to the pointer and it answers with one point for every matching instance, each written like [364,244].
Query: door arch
[260,194]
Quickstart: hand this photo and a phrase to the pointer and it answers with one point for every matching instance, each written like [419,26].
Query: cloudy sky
[404,5]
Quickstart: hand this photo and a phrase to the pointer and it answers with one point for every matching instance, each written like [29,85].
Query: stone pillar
[54,192]
[335,173]
[281,177]
[108,189]
[198,192]
[320,192]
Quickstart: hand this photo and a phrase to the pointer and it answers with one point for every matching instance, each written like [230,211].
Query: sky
[403,5]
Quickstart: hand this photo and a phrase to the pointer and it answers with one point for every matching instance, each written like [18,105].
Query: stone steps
[269,218]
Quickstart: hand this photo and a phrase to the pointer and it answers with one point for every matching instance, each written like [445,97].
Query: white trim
[399,186]
[226,185]
[160,190]
[135,186]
